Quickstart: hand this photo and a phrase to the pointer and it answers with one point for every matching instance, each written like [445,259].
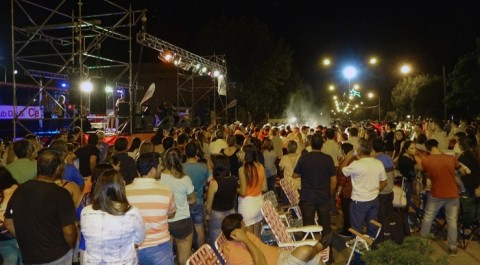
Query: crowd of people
[76,198]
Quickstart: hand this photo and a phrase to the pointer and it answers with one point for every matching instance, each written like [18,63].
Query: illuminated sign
[30,112]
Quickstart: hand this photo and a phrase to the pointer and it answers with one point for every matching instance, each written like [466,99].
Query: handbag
[399,195]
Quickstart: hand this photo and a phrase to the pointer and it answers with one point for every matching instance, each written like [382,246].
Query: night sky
[427,34]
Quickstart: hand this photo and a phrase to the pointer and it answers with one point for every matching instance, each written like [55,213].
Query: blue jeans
[215,224]
[159,254]
[361,213]
[10,252]
[451,214]
[197,213]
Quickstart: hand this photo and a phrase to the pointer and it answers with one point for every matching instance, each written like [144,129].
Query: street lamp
[405,69]
[373,61]
[326,62]
[371,95]
[349,72]
[331,87]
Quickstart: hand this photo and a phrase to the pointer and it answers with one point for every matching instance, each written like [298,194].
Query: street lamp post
[371,95]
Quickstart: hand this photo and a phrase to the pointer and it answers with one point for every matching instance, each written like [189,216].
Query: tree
[258,62]
[465,83]
[413,95]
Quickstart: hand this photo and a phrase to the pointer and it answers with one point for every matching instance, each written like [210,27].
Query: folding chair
[468,221]
[219,246]
[285,235]
[290,220]
[361,242]
[203,256]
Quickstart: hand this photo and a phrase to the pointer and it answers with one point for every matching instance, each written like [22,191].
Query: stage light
[220,77]
[216,73]
[197,66]
[86,86]
[108,89]
[64,85]
[204,69]
[15,72]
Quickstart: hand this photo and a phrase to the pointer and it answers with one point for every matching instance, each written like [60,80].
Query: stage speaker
[148,122]
[137,122]
[123,109]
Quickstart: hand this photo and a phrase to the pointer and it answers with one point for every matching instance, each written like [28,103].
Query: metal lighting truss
[56,40]
[197,76]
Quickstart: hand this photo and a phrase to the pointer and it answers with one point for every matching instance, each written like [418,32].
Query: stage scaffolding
[59,40]
[195,76]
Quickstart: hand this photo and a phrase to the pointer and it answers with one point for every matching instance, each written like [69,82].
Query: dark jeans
[346,215]
[271,183]
[385,206]
[308,210]
[361,213]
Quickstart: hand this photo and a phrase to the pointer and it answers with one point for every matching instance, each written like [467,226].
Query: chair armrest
[365,238]
[375,223]
[308,242]
[306,229]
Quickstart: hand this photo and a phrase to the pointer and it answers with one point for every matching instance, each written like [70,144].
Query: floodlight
[349,72]
[86,86]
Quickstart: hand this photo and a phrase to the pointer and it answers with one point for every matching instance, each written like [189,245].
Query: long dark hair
[249,167]
[221,167]
[6,181]
[405,147]
[173,162]
[109,194]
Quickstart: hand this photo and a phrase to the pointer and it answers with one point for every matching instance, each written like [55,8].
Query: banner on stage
[30,112]
[149,94]
[222,87]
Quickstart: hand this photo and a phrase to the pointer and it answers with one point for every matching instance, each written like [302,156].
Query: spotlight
[64,84]
[108,89]
[204,69]
[86,86]
[216,73]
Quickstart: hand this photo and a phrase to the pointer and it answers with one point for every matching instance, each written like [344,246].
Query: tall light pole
[371,95]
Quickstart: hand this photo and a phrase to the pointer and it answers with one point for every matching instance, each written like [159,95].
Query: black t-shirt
[406,166]
[225,195]
[39,211]
[128,168]
[388,140]
[83,155]
[315,170]
[234,163]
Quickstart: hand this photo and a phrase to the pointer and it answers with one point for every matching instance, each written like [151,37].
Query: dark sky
[428,34]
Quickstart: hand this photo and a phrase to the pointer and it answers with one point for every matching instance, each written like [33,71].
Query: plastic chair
[219,246]
[203,256]
[285,235]
[285,211]
[362,242]
[468,221]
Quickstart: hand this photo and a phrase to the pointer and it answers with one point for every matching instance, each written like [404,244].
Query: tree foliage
[419,95]
[413,250]
[465,84]
[258,62]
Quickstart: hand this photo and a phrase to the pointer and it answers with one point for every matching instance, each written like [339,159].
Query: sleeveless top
[234,163]
[225,195]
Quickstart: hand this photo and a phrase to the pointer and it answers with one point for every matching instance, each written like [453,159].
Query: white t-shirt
[366,174]
[181,188]
[331,148]
[217,146]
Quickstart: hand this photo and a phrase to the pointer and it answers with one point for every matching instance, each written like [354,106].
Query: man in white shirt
[330,147]
[368,179]
[439,134]
[277,142]
[219,143]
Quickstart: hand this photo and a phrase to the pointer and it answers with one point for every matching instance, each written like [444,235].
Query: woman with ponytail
[180,226]
[252,183]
